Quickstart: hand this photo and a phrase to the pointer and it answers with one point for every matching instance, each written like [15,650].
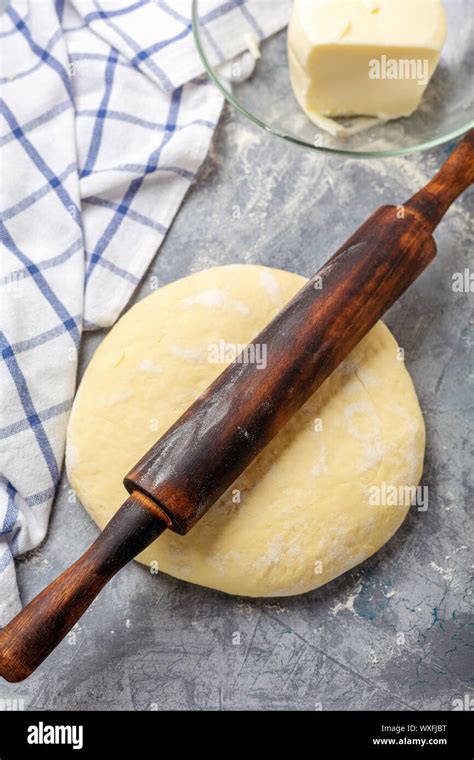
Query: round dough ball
[302,512]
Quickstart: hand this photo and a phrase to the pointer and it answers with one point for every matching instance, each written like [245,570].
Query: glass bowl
[266,96]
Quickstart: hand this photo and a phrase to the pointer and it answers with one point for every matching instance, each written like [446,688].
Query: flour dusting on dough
[373,456]
[362,407]
[321,465]
[272,554]
[116,398]
[215,298]
[370,438]
[271,286]
[241,308]
[147,365]
[365,376]
[220,561]
[211,298]
[191,354]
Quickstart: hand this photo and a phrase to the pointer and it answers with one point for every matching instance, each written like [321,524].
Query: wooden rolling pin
[201,455]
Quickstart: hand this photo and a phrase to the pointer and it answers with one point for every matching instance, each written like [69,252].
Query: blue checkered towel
[106,118]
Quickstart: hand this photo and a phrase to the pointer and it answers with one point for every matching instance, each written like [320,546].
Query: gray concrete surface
[394,633]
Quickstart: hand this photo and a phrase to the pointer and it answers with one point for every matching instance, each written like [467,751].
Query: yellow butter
[363,57]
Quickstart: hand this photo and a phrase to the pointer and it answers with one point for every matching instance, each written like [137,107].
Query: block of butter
[363,57]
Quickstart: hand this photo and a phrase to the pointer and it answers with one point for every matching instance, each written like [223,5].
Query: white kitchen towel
[106,117]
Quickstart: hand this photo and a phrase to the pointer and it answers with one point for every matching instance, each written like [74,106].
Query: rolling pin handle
[33,634]
[456,175]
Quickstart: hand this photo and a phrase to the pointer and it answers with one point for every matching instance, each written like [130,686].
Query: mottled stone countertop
[395,632]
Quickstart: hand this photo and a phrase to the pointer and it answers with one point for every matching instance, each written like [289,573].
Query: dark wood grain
[201,455]
[456,175]
[45,621]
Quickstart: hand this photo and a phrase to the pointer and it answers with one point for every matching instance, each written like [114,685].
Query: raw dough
[304,515]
